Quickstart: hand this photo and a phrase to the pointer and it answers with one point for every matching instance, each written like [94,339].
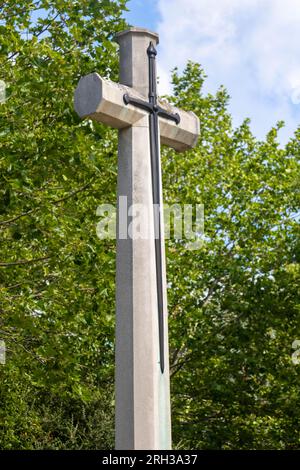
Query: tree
[57,278]
[233,305]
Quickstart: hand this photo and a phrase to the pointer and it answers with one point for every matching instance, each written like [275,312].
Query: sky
[252,47]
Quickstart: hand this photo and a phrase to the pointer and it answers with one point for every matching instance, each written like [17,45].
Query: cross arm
[103,100]
[182,136]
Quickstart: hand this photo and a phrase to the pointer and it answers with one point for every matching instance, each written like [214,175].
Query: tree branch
[17,217]
[24,261]
[58,201]
[73,193]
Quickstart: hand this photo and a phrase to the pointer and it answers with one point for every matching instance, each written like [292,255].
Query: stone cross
[142,364]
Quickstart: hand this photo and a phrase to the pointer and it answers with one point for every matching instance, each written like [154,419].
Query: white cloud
[250,46]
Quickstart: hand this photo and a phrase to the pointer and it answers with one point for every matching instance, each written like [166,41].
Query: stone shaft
[142,391]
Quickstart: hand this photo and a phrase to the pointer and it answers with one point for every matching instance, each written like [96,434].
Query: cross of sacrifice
[143,418]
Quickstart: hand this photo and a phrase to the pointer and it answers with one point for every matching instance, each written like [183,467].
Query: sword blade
[156,184]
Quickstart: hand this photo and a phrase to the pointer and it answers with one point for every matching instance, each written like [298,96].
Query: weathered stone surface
[146,421]
[183,136]
[133,59]
[102,100]
[137,354]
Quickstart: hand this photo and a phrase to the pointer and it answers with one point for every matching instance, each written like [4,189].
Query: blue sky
[143,13]
[250,46]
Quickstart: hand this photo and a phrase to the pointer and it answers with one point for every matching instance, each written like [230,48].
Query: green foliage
[56,277]
[233,305]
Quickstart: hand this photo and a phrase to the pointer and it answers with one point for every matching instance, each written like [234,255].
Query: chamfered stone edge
[137,31]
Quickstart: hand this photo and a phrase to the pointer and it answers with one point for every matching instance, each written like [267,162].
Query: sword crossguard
[126,98]
[165,114]
[152,108]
